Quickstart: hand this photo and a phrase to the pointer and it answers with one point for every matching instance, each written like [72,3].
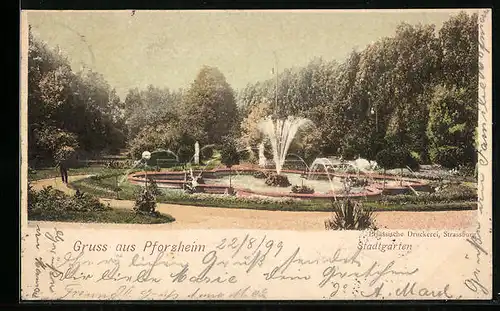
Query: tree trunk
[230,185]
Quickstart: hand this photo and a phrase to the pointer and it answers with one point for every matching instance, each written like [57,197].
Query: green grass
[50,204]
[105,187]
[119,216]
[53,172]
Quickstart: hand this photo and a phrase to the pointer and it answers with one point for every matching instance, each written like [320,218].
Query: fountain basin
[244,184]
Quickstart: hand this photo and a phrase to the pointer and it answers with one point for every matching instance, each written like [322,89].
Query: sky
[168,48]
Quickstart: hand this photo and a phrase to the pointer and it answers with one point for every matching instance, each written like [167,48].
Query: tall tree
[418,57]
[453,111]
[450,131]
[210,110]
[66,109]
[251,135]
[150,107]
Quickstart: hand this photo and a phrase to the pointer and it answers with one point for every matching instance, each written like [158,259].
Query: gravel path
[194,217]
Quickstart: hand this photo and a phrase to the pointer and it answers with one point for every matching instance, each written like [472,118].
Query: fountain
[281,134]
[301,159]
[191,188]
[146,155]
[322,182]
[408,184]
[262,157]
[124,176]
[327,164]
[306,170]
[348,182]
[196,153]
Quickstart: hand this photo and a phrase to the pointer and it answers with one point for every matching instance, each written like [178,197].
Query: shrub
[84,202]
[47,199]
[396,157]
[153,187]
[214,200]
[277,180]
[145,198]
[447,193]
[350,215]
[50,204]
[457,191]
[302,189]
[145,202]
[50,199]
[467,171]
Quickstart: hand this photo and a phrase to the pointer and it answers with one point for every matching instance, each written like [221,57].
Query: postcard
[256,155]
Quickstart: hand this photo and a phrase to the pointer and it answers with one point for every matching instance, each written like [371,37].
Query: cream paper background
[287,264]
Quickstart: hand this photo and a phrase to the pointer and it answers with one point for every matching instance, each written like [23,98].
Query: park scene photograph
[275,120]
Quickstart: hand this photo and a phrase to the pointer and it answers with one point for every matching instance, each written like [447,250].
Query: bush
[276,180]
[457,191]
[302,189]
[205,199]
[467,171]
[145,202]
[145,199]
[84,202]
[447,193]
[396,157]
[50,199]
[153,187]
[47,199]
[51,204]
[350,215]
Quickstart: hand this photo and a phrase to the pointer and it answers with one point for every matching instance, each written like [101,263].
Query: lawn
[53,172]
